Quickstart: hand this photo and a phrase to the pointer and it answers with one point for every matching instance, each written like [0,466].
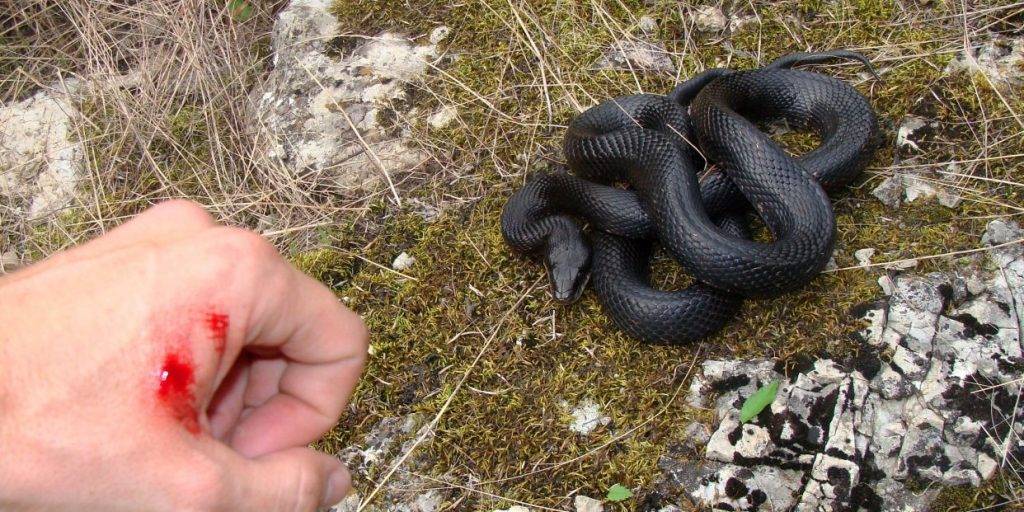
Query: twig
[617,438]
[930,256]
[362,141]
[444,408]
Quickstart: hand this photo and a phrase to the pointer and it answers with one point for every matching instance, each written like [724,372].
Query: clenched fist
[172,364]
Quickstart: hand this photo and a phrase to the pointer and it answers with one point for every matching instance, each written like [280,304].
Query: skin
[86,335]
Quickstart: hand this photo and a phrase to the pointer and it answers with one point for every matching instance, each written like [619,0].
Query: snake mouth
[568,294]
[567,283]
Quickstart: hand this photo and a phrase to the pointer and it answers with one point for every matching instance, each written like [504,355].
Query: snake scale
[635,163]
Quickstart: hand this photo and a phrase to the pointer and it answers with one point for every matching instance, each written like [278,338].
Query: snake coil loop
[657,144]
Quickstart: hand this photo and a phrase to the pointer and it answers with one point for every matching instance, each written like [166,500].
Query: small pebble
[863,256]
[917,187]
[9,262]
[948,198]
[586,417]
[885,282]
[587,504]
[648,25]
[637,55]
[831,265]
[439,34]
[710,18]
[696,435]
[442,118]
[890,191]
[403,261]
[910,124]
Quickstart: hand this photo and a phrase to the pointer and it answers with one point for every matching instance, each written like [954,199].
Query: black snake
[657,145]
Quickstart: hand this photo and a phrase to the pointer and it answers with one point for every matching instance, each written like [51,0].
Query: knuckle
[241,246]
[184,209]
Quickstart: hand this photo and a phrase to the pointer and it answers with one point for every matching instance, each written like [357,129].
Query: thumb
[295,479]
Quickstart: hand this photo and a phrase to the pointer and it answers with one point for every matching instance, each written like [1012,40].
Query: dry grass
[467,337]
[167,112]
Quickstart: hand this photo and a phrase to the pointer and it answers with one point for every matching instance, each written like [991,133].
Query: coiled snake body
[657,144]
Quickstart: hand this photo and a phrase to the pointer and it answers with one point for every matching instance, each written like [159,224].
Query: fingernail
[338,486]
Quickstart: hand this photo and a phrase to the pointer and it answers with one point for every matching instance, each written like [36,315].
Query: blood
[177,379]
[177,376]
[218,323]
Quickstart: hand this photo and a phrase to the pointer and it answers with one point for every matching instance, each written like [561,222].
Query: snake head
[567,260]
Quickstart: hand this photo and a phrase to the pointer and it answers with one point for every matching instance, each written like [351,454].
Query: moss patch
[521,70]
[996,494]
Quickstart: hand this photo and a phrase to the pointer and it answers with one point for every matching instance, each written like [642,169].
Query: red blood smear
[177,377]
[218,323]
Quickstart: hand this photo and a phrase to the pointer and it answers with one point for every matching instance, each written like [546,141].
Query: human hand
[172,364]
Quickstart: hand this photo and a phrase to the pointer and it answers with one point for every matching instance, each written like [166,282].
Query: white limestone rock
[443,117]
[388,441]
[740,488]
[40,158]
[917,187]
[1000,60]
[439,34]
[908,127]
[648,25]
[890,191]
[710,18]
[863,256]
[313,99]
[902,187]
[587,504]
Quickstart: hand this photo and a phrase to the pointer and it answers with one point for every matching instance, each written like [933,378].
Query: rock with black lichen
[386,443]
[850,435]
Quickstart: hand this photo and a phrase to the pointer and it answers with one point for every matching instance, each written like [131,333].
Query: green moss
[996,494]
[329,266]
[510,419]
[63,231]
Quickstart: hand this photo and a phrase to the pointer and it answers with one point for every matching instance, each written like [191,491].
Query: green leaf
[758,401]
[241,10]
[618,492]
